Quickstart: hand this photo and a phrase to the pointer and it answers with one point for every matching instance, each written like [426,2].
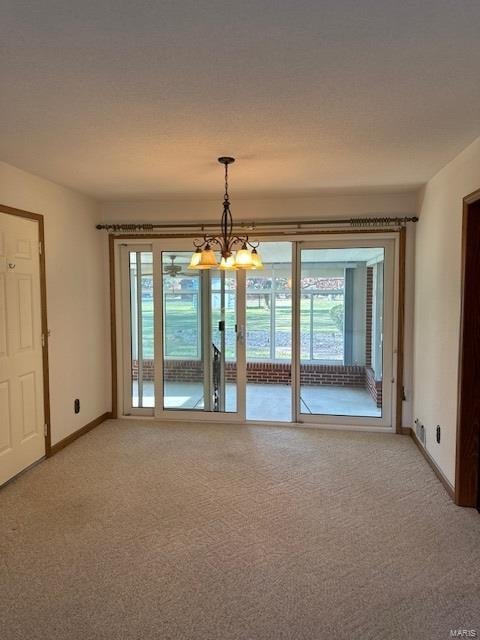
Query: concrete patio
[270,402]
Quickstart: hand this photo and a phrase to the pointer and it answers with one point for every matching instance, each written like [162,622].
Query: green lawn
[182,323]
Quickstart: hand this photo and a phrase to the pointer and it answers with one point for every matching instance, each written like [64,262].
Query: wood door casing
[468,428]
[22,440]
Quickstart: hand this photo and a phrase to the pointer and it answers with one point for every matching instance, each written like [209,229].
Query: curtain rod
[352,222]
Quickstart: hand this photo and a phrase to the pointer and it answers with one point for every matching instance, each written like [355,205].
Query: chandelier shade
[207,259]
[243,258]
[228,264]
[236,251]
[256,259]
[195,259]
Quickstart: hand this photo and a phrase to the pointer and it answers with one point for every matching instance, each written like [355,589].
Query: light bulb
[243,258]
[228,264]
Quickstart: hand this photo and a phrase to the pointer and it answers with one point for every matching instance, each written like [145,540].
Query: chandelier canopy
[236,251]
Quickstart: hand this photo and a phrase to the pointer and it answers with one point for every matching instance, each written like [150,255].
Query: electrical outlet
[438,433]
[76,406]
[420,431]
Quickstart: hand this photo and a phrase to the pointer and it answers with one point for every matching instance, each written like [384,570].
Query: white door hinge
[40,248]
[45,429]
[43,340]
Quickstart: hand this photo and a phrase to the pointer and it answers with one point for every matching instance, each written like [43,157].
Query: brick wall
[272,373]
[148,370]
[260,372]
[374,387]
[183,370]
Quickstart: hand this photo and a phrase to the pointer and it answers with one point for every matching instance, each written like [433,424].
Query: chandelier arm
[231,244]
[240,240]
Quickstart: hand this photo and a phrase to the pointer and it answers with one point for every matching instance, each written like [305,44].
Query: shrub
[336,314]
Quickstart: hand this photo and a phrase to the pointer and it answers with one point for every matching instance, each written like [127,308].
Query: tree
[336,314]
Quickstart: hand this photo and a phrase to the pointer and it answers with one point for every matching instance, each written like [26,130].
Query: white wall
[209,210]
[327,205]
[76,293]
[437,302]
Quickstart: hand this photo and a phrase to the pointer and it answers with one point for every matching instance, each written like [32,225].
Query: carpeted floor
[141,531]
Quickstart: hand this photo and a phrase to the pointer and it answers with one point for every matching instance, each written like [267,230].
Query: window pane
[259,318]
[321,315]
[183,365]
[141,319]
[224,342]
[269,335]
[341,331]
[283,325]
[181,313]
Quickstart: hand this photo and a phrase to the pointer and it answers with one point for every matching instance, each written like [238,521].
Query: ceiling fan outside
[173,269]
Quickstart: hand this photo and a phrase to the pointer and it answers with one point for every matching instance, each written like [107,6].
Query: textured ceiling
[122,98]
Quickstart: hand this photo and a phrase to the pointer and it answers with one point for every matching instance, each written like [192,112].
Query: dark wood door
[467,481]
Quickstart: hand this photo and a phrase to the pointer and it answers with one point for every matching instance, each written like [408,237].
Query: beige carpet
[141,531]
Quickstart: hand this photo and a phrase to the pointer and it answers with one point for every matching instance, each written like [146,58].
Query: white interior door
[22,439]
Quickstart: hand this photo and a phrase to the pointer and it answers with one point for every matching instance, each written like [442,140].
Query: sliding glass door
[197,328]
[307,339]
[199,348]
[345,299]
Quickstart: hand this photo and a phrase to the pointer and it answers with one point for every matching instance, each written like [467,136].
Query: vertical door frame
[296,347]
[127,408]
[114,280]
[205,305]
[241,344]
[467,467]
[38,218]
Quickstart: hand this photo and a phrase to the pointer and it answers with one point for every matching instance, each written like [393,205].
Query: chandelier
[237,252]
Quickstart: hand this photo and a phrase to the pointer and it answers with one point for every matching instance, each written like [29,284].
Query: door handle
[240,333]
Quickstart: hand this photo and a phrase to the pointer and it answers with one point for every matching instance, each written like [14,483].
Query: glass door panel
[269,317]
[183,357]
[199,336]
[142,356]
[223,300]
[342,330]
